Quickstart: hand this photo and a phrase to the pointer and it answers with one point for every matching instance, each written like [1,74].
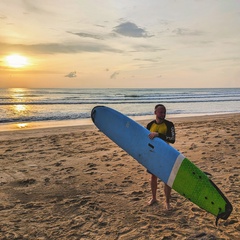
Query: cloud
[32,7]
[130,29]
[187,32]
[154,60]
[71,74]
[55,48]
[148,48]
[87,35]
[2,17]
[114,75]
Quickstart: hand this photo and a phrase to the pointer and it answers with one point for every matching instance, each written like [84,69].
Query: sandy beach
[74,183]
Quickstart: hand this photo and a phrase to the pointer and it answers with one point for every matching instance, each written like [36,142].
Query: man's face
[160,113]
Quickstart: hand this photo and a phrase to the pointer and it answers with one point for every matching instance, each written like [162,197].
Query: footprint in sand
[26,183]
[136,195]
[127,181]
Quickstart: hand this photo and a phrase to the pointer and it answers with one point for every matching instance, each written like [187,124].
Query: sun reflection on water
[20,108]
[18,93]
[22,125]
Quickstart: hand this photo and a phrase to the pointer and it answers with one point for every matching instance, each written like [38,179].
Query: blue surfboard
[164,161]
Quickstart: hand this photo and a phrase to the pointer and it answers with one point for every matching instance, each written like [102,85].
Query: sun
[16,61]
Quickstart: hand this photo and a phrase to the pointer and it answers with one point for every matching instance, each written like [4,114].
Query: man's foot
[152,201]
[167,206]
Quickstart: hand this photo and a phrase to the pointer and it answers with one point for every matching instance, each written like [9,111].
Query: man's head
[160,111]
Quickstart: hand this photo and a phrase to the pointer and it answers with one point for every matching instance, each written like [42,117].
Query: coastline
[72,182]
[88,122]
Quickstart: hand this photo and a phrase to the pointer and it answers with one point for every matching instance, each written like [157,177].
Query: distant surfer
[164,129]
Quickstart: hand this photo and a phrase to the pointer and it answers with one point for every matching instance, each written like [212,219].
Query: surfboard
[163,160]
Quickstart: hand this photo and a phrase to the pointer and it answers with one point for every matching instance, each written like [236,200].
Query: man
[164,129]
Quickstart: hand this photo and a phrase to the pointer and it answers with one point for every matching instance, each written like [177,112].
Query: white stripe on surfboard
[175,168]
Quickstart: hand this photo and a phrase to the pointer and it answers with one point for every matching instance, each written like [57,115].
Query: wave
[115,101]
[69,104]
[45,118]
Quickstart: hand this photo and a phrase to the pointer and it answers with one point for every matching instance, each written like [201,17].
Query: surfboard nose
[93,113]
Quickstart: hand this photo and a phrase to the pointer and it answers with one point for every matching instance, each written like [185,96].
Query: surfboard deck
[164,161]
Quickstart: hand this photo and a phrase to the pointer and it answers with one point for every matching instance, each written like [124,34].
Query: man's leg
[153,182]
[167,191]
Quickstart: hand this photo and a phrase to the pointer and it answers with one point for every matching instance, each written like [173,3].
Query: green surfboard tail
[228,207]
[195,185]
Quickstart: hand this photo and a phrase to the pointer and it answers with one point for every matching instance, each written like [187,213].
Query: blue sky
[86,43]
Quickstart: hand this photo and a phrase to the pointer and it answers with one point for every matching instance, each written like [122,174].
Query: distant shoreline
[86,122]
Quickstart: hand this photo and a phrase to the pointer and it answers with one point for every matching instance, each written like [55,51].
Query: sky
[120,43]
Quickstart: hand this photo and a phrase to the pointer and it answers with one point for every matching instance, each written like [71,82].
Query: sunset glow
[119,44]
[16,61]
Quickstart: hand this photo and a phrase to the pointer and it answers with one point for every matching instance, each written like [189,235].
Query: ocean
[22,105]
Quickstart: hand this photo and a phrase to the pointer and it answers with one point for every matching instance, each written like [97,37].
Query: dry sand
[75,183]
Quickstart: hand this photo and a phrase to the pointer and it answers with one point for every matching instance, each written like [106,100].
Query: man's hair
[160,105]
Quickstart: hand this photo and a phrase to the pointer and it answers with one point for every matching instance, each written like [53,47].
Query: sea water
[22,105]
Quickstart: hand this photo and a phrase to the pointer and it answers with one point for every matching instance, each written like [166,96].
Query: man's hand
[152,135]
